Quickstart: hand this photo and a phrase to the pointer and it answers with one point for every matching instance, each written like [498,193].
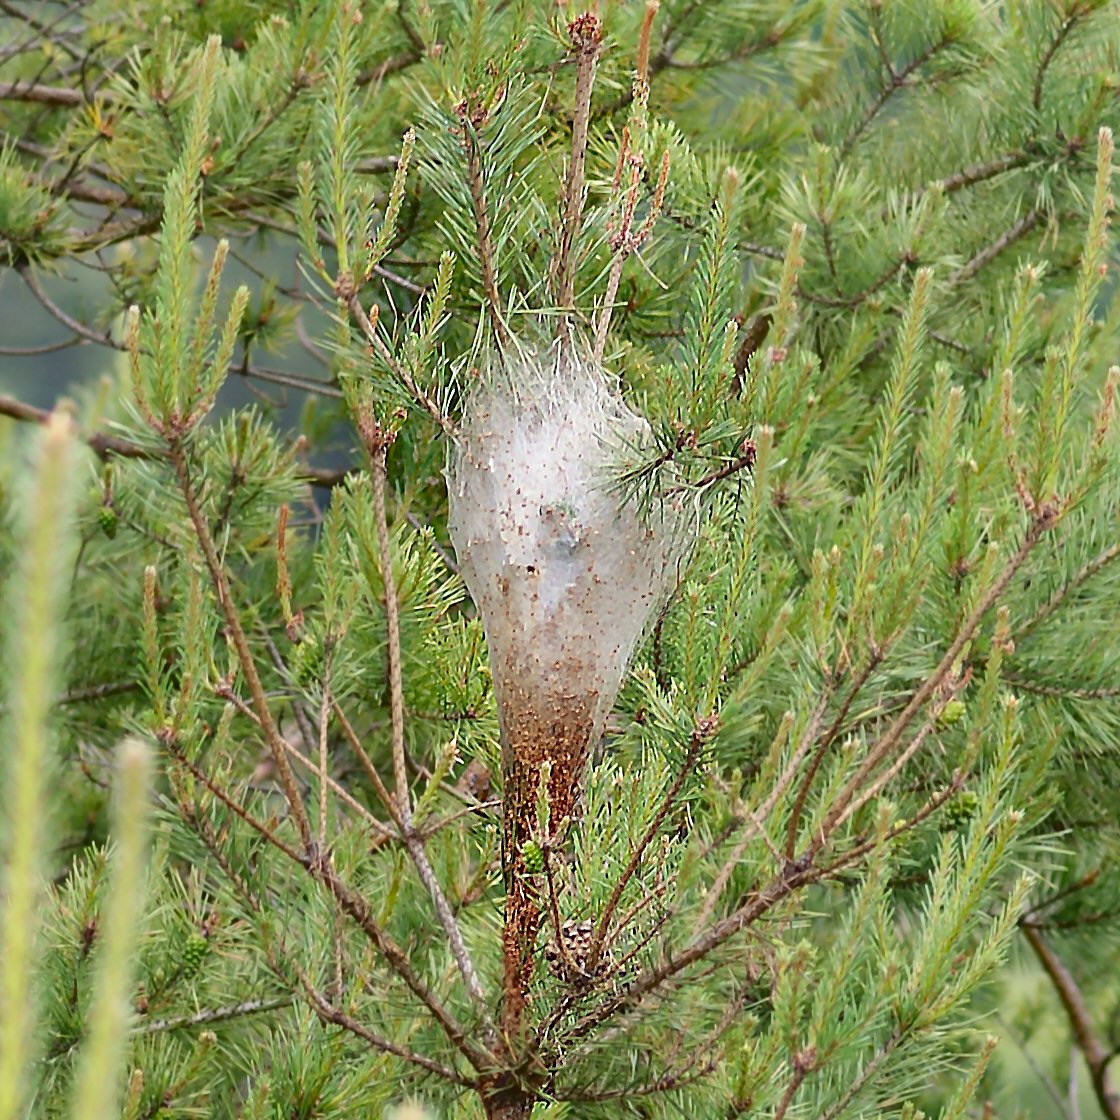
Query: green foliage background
[872,211]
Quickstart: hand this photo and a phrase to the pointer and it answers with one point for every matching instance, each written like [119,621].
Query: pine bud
[107,521]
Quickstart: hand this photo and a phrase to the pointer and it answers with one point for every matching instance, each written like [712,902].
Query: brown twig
[382,831]
[106,446]
[1067,25]
[368,326]
[476,180]
[1098,1057]
[331,1014]
[626,239]
[324,772]
[927,810]
[857,298]
[586,33]
[822,748]
[231,802]
[241,642]
[1061,691]
[379,473]
[1085,573]
[757,816]
[989,253]
[753,338]
[899,78]
[68,321]
[213,1015]
[44,95]
[416,852]
[412,838]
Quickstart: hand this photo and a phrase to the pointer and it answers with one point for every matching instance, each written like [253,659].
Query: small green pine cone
[533,855]
[961,809]
[107,520]
[194,953]
[953,713]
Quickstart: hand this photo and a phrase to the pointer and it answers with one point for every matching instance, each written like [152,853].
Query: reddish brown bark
[510,1106]
[536,729]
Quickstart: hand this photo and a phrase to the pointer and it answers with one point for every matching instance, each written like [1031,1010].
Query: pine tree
[670,666]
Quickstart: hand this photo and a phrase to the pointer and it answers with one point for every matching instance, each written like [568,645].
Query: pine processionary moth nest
[565,571]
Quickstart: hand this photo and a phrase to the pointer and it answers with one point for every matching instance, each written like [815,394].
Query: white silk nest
[566,572]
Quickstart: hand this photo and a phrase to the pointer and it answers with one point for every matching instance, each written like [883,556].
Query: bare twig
[212,1015]
[231,802]
[757,816]
[1098,1057]
[358,909]
[379,473]
[822,748]
[396,705]
[241,642]
[1061,691]
[368,326]
[107,446]
[899,78]
[989,253]
[324,772]
[1067,25]
[586,32]
[44,95]
[472,119]
[329,1013]
[626,239]
[68,321]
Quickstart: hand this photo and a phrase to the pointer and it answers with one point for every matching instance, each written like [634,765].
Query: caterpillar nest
[565,571]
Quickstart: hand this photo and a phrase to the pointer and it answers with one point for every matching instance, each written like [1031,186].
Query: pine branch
[381,831]
[701,735]
[826,741]
[885,277]
[245,658]
[802,872]
[229,801]
[368,326]
[1040,524]
[400,962]
[329,1013]
[1061,691]
[981,172]
[469,115]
